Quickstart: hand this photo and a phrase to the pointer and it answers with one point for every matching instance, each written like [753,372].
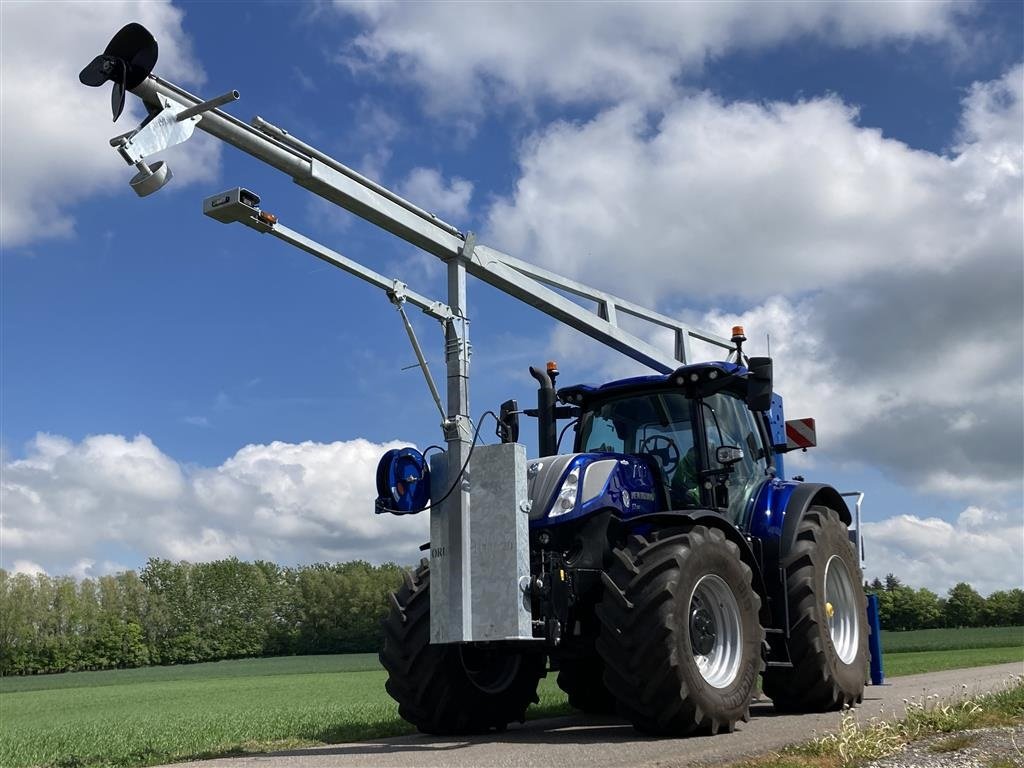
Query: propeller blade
[97,71]
[137,48]
[128,59]
[117,93]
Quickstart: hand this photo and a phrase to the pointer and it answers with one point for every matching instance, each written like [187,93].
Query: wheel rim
[841,609]
[490,671]
[715,631]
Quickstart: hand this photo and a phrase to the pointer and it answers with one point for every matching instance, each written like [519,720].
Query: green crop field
[914,662]
[162,714]
[967,638]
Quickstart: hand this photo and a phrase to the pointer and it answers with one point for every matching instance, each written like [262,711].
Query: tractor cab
[682,441]
[701,441]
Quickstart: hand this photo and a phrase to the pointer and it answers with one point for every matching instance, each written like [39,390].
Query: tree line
[901,607]
[181,613]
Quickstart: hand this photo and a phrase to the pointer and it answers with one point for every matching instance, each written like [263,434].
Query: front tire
[457,688]
[680,635]
[828,620]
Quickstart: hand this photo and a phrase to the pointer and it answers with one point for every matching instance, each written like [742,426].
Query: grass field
[952,639]
[914,662]
[161,714]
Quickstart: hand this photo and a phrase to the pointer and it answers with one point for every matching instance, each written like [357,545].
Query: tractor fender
[804,496]
[711,519]
[779,508]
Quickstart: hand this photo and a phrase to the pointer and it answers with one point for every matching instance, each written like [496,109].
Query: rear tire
[451,689]
[828,642]
[680,635]
[582,679]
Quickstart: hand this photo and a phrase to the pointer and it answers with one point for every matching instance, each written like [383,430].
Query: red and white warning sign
[800,433]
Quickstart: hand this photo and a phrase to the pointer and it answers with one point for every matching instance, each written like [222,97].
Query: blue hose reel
[403,482]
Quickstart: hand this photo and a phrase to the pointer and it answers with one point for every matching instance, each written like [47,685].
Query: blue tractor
[671,564]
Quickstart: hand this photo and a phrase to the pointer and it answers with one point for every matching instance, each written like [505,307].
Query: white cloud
[428,189]
[83,568]
[983,547]
[890,279]
[55,149]
[27,567]
[943,482]
[66,504]
[465,56]
[305,82]
[993,114]
[753,199]
[902,415]
[88,568]
[373,131]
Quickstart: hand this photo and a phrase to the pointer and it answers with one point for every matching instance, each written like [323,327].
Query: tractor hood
[572,485]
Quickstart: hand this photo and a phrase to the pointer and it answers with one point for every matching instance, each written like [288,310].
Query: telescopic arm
[343,186]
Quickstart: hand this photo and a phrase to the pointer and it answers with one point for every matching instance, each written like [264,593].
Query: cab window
[603,438]
[728,421]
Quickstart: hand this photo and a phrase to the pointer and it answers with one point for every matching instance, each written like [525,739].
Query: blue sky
[846,177]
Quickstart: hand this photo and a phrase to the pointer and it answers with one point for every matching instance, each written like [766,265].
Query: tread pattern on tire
[429,682]
[641,641]
[818,681]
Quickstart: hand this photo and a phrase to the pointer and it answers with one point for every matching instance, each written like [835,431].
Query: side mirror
[508,422]
[727,455]
[759,383]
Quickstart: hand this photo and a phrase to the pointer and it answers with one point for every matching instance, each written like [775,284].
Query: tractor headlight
[565,501]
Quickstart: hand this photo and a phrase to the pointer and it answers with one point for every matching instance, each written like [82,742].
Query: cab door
[728,421]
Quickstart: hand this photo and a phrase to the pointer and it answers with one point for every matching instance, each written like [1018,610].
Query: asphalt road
[573,741]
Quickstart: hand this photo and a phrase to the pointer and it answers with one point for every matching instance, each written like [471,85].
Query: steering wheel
[663,448]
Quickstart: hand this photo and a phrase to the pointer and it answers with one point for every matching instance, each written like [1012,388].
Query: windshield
[657,424]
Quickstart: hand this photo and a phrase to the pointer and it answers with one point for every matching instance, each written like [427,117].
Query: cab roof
[679,377]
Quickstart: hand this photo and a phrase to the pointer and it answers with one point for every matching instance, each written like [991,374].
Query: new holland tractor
[660,566]
[670,566]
